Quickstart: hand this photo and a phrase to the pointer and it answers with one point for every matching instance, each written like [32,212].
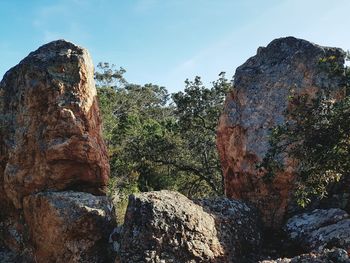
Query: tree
[136,126]
[198,110]
[161,141]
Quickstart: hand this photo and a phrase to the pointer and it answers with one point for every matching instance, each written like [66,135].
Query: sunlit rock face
[50,141]
[50,124]
[166,226]
[257,103]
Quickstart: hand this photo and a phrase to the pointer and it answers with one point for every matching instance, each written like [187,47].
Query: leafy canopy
[158,140]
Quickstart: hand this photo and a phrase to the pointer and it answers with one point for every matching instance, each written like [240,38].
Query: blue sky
[166,41]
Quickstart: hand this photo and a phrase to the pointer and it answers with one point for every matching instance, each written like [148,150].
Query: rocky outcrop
[257,103]
[51,143]
[166,226]
[320,229]
[54,168]
[327,256]
[50,124]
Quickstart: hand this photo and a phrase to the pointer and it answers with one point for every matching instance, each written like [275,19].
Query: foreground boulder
[327,256]
[320,229]
[166,226]
[51,143]
[68,226]
[257,103]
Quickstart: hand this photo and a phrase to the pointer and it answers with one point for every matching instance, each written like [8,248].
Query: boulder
[327,256]
[320,229]
[69,226]
[166,226]
[50,124]
[51,141]
[257,103]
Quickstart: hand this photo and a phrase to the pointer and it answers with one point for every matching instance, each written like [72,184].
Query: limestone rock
[166,226]
[256,104]
[327,256]
[50,124]
[320,229]
[68,226]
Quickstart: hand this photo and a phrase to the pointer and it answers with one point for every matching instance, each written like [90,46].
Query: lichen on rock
[50,145]
[257,104]
[166,226]
[69,226]
[50,124]
[320,229]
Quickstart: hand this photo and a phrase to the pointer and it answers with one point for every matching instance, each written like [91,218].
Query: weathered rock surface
[50,143]
[68,226]
[320,229]
[8,256]
[166,226]
[327,256]
[50,124]
[258,103]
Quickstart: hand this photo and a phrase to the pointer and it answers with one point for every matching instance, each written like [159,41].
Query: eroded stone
[257,103]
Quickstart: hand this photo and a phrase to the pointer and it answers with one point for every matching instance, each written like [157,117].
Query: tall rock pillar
[258,103]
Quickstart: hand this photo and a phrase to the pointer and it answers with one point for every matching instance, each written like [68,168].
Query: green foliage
[161,141]
[198,109]
[108,76]
[317,136]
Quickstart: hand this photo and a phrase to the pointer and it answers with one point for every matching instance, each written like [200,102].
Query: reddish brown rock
[69,227]
[50,140]
[50,124]
[258,103]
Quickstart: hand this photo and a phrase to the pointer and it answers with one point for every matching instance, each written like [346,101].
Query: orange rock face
[51,141]
[258,103]
[51,127]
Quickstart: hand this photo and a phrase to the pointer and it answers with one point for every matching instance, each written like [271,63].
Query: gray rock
[166,226]
[8,256]
[319,229]
[69,226]
[327,256]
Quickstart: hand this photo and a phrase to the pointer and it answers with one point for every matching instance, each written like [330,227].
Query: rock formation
[50,124]
[54,168]
[50,141]
[319,229]
[68,226]
[166,226]
[327,256]
[258,103]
